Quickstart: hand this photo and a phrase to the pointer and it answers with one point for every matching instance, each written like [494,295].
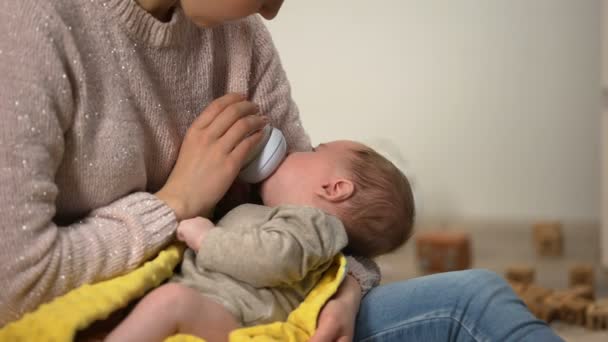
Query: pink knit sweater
[95,99]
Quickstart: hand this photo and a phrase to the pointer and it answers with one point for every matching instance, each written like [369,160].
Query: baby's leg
[175,308]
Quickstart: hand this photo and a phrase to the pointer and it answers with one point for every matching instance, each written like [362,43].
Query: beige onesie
[261,262]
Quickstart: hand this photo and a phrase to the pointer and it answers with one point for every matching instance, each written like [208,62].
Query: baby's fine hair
[379,217]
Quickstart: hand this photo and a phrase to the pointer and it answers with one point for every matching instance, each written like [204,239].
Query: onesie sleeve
[278,252]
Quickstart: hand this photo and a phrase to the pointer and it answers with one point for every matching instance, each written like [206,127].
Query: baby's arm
[281,251]
[193,231]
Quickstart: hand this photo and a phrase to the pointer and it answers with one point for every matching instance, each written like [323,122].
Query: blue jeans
[473,305]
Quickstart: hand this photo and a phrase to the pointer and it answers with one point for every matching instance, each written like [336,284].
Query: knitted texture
[95,100]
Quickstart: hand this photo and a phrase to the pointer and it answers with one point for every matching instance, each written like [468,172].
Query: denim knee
[456,306]
[495,311]
[482,282]
[484,277]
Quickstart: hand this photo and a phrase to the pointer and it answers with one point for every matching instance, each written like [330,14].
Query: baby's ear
[337,190]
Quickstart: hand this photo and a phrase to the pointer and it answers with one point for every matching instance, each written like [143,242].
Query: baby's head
[369,194]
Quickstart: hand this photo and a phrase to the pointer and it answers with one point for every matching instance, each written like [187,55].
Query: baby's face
[208,13]
[302,174]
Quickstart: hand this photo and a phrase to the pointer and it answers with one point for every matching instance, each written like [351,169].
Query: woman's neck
[160,9]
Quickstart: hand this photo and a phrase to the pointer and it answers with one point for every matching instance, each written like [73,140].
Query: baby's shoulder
[313,215]
[245,214]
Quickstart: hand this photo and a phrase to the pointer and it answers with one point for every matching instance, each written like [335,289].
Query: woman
[104,150]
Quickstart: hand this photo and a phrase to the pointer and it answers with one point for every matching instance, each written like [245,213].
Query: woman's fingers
[242,149]
[215,108]
[230,116]
[241,130]
[211,155]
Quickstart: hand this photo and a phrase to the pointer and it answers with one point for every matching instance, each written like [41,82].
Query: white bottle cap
[268,158]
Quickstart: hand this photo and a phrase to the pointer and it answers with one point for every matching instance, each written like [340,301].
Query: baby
[258,263]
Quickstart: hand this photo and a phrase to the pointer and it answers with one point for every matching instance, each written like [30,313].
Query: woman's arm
[337,318]
[40,90]
[40,259]
[364,271]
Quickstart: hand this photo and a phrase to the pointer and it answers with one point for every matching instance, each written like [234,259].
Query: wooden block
[569,305]
[520,274]
[551,308]
[565,294]
[443,251]
[548,239]
[597,315]
[534,298]
[574,310]
[538,291]
[581,274]
[582,291]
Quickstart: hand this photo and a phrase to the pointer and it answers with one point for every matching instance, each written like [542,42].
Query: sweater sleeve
[40,259]
[271,89]
[278,252]
[365,271]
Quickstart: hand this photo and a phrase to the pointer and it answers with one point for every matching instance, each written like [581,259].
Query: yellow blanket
[60,319]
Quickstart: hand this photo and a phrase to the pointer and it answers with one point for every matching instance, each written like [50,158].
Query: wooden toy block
[597,315]
[551,305]
[548,238]
[567,294]
[574,310]
[551,308]
[520,274]
[582,291]
[581,275]
[443,251]
[534,298]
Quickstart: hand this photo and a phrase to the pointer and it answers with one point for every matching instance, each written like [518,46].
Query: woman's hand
[337,318]
[211,156]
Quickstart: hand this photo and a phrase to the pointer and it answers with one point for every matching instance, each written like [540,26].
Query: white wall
[604,149]
[493,103]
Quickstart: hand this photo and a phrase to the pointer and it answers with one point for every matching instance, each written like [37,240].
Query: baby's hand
[193,231]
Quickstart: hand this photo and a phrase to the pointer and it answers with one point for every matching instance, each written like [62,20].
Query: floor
[498,245]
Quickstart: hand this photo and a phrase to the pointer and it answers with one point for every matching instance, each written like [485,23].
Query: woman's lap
[474,305]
